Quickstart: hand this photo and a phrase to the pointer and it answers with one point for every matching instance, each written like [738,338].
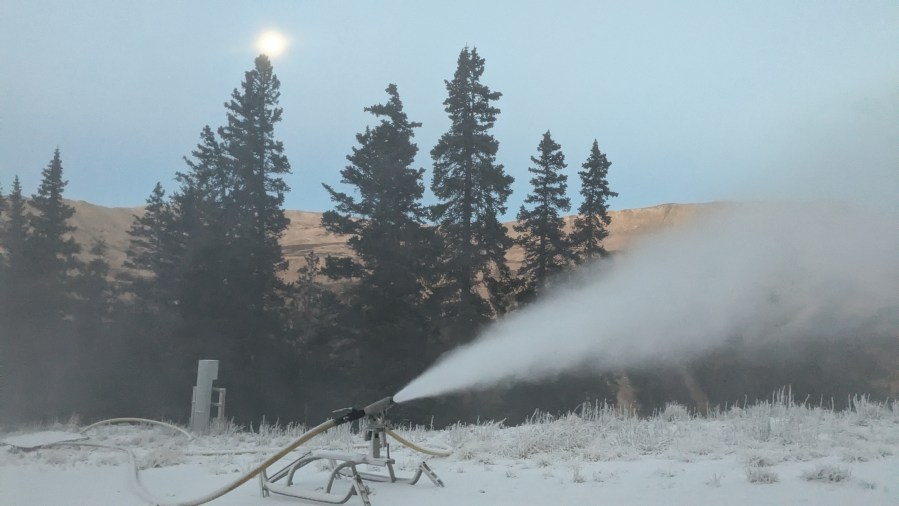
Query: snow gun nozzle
[373,409]
[379,407]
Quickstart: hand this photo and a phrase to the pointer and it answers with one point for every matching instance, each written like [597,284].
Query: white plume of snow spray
[757,271]
[761,272]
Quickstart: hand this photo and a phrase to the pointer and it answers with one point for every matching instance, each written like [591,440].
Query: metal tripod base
[343,465]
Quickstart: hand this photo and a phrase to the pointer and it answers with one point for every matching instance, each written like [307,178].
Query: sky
[691,101]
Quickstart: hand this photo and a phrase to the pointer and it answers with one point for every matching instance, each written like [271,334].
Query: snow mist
[759,272]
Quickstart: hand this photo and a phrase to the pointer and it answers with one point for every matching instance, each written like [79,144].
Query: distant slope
[109,224]
[306,234]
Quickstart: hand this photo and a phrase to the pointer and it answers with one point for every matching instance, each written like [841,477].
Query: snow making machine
[346,465]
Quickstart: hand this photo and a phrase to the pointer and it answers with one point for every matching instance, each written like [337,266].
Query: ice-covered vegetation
[780,448]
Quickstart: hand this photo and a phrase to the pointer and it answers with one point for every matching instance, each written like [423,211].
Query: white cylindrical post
[207,372]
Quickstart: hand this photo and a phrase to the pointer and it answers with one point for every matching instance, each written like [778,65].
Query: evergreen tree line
[205,274]
[54,305]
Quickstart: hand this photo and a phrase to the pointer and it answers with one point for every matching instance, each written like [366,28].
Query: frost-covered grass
[767,433]
[773,448]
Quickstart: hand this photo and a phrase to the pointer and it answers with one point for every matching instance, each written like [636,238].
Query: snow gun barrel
[379,407]
[373,409]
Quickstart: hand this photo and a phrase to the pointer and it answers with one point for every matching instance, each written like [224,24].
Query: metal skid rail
[342,465]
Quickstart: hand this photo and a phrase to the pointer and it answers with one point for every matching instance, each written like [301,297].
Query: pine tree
[547,249]
[201,232]
[591,225]
[472,190]
[155,279]
[3,206]
[311,301]
[228,220]
[388,233]
[206,186]
[150,256]
[95,293]
[40,300]
[13,234]
[254,161]
[329,351]
[51,248]
[16,357]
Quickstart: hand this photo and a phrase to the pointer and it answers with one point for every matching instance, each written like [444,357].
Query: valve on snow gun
[374,409]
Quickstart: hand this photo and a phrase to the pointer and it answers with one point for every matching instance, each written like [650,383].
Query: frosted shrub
[668,472]
[543,460]
[341,437]
[762,460]
[576,474]
[827,473]
[648,437]
[715,480]
[475,440]
[674,412]
[218,427]
[778,421]
[695,440]
[276,434]
[163,456]
[456,434]
[761,475]
[865,410]
[541,435]
[603,413]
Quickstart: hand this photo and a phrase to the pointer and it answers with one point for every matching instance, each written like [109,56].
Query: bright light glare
[271,43]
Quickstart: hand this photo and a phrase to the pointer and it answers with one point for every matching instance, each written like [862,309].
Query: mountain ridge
[305,234]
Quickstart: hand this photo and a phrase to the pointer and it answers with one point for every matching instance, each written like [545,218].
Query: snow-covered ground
[770,453]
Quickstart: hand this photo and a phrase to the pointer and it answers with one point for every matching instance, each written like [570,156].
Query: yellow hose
[259,468]
[256,470]
[222,491]
[420,449]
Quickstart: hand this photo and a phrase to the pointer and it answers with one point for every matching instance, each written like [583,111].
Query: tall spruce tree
[591,224]
[472,190]
[51,248]
[156,273]
[547,249]
[40,300]
[228,220]
[255,161]
[387,232]
[15,352]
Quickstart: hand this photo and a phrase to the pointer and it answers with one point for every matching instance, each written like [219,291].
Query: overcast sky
[691,101]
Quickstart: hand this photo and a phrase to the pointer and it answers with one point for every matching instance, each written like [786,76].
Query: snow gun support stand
[344,464]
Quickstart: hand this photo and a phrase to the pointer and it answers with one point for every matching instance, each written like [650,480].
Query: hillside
[306,234]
